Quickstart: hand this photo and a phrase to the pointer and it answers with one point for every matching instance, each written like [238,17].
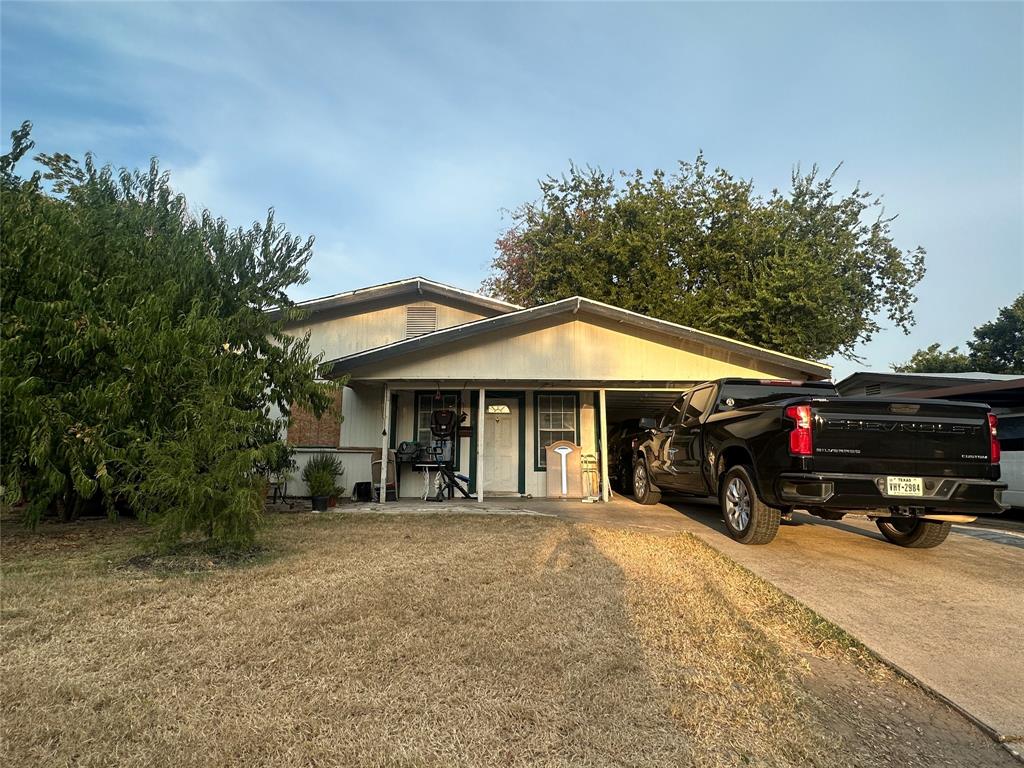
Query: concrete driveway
[952,617]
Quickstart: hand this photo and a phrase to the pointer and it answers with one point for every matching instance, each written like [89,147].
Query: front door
[501,446]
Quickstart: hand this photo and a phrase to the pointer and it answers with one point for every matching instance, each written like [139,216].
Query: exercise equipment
[444,427]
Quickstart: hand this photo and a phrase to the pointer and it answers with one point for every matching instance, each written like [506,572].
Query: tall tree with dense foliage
[808,272]
[140,369]
[997,347]
[934,359]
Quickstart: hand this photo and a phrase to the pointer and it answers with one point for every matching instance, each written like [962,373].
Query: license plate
[904,486]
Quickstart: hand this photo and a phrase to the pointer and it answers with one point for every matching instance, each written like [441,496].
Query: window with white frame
[556,420]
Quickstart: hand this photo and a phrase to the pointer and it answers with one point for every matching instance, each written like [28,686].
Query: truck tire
[747,518]
[911,532]
[643,490]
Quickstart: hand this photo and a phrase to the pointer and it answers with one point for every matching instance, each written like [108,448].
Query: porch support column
[481,413]
[606,489]
[386,411]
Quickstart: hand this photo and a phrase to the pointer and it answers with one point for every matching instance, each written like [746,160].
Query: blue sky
[397,133]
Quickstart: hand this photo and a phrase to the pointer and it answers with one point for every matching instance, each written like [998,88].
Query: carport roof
[923,380]
[1005,392]
[572,306]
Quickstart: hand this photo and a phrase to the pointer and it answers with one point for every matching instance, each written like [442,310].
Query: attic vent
[420,320]
[873,389]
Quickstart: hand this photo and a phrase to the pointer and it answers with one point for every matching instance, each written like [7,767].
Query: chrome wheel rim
[737,504]
[639,480]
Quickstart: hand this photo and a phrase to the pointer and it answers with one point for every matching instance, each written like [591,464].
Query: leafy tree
[997,347]
[807,272]
[138,367]
[936,360]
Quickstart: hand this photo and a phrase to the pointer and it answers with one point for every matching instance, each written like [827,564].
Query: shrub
[321,475]
[279,463]
[140,364]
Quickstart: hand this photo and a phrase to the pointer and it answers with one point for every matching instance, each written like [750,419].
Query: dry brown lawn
[437,641]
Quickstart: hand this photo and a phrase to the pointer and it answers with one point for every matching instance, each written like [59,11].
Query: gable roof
[570,306]
[411,286]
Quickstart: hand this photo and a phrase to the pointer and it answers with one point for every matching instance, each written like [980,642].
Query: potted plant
[320,475]
[320,486]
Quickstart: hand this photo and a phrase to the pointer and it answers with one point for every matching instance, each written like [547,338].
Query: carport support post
[480,445]
[386,411]
[606,490]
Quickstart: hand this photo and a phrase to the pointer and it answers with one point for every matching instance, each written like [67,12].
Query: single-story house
[525,377]
[1003,393]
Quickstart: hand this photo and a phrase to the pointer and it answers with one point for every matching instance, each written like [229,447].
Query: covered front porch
[501,444]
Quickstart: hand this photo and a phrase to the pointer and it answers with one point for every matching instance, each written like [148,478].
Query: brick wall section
[306,430]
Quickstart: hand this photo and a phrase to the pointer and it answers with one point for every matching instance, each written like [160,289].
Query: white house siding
[337,336]
[355,329]
[362,409]
[584,350]
[357,468]
[536,482]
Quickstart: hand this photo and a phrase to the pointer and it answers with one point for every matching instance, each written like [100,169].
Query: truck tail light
[993,436]
[800,441]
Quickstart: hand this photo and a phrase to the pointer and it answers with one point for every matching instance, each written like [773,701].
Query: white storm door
[501,446]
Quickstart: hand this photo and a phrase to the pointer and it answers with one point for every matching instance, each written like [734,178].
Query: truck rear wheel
[747,518]
[643,491]
[912,532]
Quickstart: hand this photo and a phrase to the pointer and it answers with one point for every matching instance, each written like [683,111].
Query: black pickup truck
[765,448]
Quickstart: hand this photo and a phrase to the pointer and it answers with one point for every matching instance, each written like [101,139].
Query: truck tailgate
[901,437]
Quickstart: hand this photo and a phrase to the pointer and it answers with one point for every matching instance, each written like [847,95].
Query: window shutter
[420,320]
